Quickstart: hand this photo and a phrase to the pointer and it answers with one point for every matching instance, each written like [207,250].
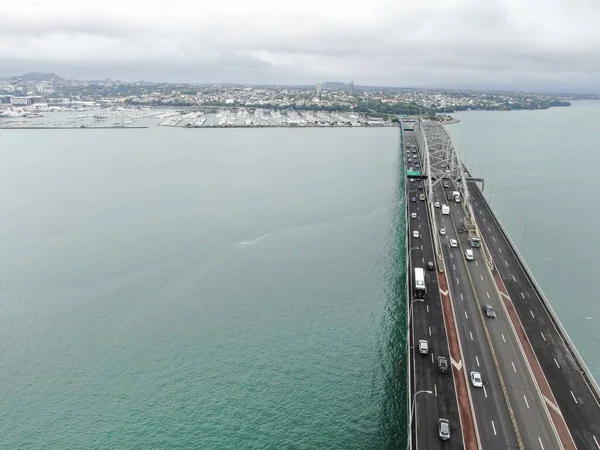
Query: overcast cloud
[545,43]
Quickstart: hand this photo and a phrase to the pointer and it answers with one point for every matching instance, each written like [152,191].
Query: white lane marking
[531,312]
[419,225]
[453,266]
[476,264]
[489,229]
[597,445]
[503,338]
[423,260]
[421,247]
[429,331]
[506,263]
[477,360]
[471,334]
[457,281]
[573,395]
[526,402]
[466,316]
[494,427]
[427,308]
[514,278]
[481,277]
[477,204]
[499,249]
[484,391]
[514,368]
[543,337]
[488,294]
[541,445]
[461,297]
[451,255]
[556,363]
[435,389]
[522,295]
[494,238]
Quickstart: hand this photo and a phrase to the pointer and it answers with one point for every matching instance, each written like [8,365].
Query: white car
[415,234]
[413,215]
[423,347]
[443,231]
[476,379]
[453,243]
[436,205]
[469,254]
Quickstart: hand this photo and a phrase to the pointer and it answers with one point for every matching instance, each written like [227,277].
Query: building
[319,89]
[351,87]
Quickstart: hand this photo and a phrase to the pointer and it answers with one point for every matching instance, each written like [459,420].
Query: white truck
[445,209]
[456,196]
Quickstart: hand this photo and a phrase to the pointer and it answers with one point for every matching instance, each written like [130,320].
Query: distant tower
[319,89]
[351,85]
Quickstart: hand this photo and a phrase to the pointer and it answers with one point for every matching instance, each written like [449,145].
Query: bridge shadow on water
[393,416]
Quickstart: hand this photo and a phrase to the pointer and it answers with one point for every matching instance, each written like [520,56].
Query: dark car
[414,200]
[444,429]
[489,311]
[442,364]
[430,265]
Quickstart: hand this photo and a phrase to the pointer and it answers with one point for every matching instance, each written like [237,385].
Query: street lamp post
[412,409]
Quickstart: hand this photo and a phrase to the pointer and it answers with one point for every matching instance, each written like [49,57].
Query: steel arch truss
[440,158]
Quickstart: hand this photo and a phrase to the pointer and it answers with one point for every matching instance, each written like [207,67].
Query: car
[419,187]
[423,347]
[436,205]
[469,254]
[415,234]
[453,243]
[442,364]
[443,231]
[430,265]
[489,311]
[476,379]
[444,429]
[414,200]
[413,215]
[411,179]
[446,185]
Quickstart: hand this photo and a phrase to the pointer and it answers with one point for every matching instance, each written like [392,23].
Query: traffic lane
[525,400]
[493,417]
[539,326]
[424,409]
[493,420]
[428,325]
[444,383]
[572,393]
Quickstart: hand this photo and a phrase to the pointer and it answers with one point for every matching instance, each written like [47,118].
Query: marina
[94,116]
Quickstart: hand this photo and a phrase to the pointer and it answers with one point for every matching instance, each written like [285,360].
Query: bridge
[482,312]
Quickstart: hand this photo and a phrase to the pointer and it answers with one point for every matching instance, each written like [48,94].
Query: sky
[417,43]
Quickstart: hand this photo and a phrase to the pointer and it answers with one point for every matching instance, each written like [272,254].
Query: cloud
[377,42]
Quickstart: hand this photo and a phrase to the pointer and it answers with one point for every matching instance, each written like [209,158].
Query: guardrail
[591,381]
[408,321]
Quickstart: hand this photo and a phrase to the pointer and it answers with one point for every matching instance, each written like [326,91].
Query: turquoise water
[539,168]
[214,289]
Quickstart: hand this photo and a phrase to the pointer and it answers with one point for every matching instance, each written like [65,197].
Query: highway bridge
[482,312]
